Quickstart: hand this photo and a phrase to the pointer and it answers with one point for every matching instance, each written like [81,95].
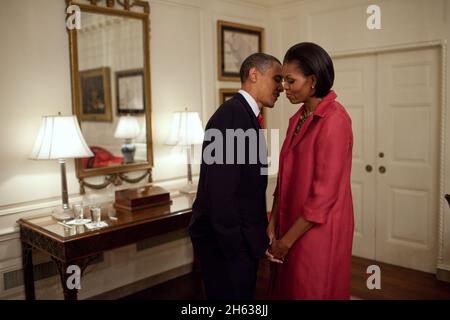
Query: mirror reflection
[112,107]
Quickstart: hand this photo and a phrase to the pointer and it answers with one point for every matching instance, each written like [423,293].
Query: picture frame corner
[259,32]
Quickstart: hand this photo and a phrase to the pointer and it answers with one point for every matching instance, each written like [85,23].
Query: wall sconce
[60,138]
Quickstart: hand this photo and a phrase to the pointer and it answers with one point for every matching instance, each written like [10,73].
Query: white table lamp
[186,131]
[128,129]
[60,138]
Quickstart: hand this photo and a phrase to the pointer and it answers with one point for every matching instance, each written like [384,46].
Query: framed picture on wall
[225,94]
[95,91]
[130,91]
[235,42]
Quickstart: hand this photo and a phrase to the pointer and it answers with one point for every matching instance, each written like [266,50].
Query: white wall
[183,65]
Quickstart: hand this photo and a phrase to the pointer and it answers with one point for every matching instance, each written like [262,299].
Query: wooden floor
[397,283]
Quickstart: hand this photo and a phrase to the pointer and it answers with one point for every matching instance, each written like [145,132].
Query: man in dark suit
[228,226]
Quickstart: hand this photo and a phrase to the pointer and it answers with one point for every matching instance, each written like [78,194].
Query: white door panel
[392,99]
[354,85]
[408,135]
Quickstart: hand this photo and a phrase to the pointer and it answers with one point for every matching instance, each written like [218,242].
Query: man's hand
[271,233]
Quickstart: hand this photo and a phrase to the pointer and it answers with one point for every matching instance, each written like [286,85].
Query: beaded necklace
[305,115]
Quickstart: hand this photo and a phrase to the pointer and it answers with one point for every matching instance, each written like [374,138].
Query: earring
[312,87]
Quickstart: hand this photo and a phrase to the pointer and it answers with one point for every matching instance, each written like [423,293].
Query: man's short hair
[261,61]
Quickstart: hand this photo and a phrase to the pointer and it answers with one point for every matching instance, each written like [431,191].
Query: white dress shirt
[250,101]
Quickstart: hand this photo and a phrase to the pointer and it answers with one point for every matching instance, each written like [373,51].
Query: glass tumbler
[96,215]
[78,212]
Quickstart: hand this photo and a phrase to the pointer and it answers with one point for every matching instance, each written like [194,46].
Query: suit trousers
[226,278]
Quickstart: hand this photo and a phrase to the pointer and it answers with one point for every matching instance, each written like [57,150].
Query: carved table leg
[28,274]
[70,293]
[70,273]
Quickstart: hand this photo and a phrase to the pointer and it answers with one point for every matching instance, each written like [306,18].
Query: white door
[393,101]
[355,86]
[408,136]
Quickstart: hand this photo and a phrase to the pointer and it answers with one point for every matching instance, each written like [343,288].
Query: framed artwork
[225,94]
[130,92]
[95,91]
[235,42]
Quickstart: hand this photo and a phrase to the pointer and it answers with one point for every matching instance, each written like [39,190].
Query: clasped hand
[277,251]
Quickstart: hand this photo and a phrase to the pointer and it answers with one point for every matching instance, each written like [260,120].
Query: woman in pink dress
[311,225]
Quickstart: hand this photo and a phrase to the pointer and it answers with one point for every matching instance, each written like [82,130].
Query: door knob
[381,155]
[369,168]
[382,169]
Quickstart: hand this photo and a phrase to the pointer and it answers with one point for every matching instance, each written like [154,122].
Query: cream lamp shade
[127,128]
[186,129]
[60,138]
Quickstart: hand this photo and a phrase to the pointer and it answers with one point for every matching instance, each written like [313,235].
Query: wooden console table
[78,246]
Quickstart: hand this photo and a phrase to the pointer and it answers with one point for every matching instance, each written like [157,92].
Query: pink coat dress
[314,183]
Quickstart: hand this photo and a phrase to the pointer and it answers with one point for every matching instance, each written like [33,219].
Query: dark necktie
[261,120]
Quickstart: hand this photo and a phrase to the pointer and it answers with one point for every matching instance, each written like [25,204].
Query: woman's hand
[279,249]
[271,258]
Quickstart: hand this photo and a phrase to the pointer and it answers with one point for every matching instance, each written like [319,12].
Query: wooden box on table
[138,199]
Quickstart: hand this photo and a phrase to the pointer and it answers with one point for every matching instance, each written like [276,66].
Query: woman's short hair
[312,59]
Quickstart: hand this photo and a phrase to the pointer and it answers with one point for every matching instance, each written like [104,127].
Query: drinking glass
[78,212]
[96,216]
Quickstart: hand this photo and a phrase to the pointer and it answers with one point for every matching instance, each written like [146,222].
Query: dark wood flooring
[397,283]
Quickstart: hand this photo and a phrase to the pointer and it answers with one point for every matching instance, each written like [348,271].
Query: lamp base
[189,189]
[128,151]
[66,214]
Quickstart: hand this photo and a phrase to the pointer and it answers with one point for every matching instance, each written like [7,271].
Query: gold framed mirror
[109,45]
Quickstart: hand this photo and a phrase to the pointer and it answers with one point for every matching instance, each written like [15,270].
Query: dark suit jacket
[230,207]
